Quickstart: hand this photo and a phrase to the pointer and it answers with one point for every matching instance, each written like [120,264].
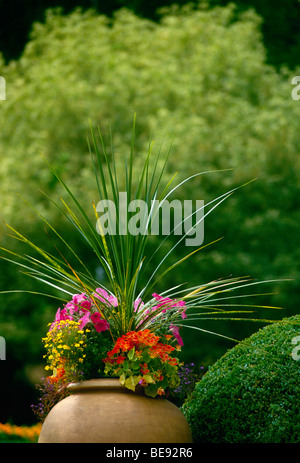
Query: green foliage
[10,433]
[279,25]
[279,28]
[96,349]
[188,75]
[251,394]
[5,439]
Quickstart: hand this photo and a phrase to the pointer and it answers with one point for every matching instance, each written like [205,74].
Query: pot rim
[96,383]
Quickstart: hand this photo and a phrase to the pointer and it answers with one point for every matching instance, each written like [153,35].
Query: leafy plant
[123,256]
[251,394]
[229,110]
[140,358]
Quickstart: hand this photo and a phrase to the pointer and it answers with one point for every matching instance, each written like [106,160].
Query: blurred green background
[217,75]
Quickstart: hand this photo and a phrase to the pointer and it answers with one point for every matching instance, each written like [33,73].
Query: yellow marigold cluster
[65,343]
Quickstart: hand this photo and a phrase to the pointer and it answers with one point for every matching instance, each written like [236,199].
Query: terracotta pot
[102,410]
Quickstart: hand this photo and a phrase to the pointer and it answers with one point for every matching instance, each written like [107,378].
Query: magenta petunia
[168,303]
[175,331]
[96,317]
[62,314]
[101,325]
[183,314]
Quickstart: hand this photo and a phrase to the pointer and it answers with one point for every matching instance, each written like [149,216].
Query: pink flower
[82,302]
[99,323]
[85,305]
[169,303]
[183,314]
[71,308]
[96,317]
[163,300]
[113,301]
[104,297]
[79,303]
[61,314]
[175,332]
[102,325]
[138,304]
[84,320]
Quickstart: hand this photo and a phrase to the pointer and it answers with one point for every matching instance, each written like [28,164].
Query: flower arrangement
[120,327]
[79,345]
[142,358]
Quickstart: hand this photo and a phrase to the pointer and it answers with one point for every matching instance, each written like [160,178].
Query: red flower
[144,369]
[99,323]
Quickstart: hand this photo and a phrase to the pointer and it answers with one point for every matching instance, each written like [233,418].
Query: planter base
[103,411]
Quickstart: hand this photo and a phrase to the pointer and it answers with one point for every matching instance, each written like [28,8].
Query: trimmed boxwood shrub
[252,393]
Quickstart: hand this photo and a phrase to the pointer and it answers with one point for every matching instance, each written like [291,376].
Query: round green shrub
[251,394]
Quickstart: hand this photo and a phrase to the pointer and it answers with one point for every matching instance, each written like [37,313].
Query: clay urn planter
[103,411]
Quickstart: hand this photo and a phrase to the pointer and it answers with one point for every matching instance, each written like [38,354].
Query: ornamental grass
[102,328]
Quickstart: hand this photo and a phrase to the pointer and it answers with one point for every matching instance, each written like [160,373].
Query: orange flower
[140,340]
[134,339]
[144,369]
[173,361]
[59,375]
[28,432]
